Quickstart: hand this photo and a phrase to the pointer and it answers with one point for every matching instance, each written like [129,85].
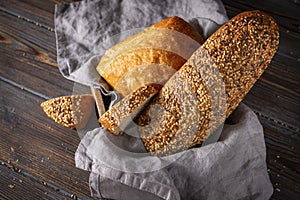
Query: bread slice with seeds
[121,114]
[238,52]
[70,111]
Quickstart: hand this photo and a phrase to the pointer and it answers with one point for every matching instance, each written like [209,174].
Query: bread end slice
[72,112]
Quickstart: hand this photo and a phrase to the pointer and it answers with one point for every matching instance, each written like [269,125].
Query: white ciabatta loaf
[150,56]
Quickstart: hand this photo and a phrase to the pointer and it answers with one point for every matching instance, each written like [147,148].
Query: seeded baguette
[70,111]
[121,114]
[150,56]
[240,51]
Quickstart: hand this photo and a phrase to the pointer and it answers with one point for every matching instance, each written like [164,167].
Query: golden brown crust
[247,56]
[168,44]
[178,24]
[70,111]
[240,50]
[118,116]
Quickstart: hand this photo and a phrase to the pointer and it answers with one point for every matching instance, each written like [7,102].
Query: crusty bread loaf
[150,56]
[238,53]
[70,111]
[121,114]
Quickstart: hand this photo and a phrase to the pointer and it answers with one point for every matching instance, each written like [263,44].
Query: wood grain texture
[283,159]
[36,12]
[28,58]
[37,145]
[15,186]
[29,74]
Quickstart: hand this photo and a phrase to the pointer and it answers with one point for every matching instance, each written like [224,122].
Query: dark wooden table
[37,155]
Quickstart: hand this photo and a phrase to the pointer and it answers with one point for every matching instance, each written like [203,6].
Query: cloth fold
[233,168]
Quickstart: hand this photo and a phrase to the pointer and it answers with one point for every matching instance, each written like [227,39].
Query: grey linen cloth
[233,168]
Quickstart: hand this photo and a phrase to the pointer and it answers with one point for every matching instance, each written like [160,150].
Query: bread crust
[240,51]
[130,64]
[72,112]
[118,116]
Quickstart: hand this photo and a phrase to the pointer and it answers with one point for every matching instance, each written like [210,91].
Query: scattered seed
[73,196]
[20,181]
[278,175]
[12,149]
[277,190]
[11,186]
[277,156]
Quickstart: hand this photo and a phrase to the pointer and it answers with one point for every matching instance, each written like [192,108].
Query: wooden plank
[32,73]
[16,186]
[276,94]
[26,51]
[286,13]
[283,159]
[35,144]
[34,11]
[27,39]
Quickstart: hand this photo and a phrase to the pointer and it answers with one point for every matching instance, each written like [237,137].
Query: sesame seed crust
[69,111]
[117,117]
[240,50]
